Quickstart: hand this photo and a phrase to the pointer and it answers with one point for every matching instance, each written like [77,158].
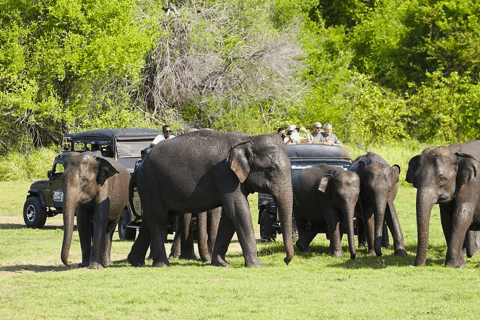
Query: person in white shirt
[165,135]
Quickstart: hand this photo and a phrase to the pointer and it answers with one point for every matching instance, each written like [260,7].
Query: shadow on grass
[363,260]
[21,268]
[15,226]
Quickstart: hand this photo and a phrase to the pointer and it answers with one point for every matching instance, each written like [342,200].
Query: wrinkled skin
[182,246]
[465,217]
[96,189]
[206,169]
[379,185]
[439,174]
[326,195]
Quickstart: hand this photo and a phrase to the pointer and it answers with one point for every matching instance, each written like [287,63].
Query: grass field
[34,284]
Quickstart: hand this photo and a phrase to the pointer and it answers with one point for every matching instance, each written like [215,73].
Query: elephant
[465,217]
[207,223]
[439,174]
[328,195]
[206,169]
[379,185]
[96,190]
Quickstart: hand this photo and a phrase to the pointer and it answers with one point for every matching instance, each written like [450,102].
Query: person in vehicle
[165,135]
[328,136]
[293,135]
[315,135]
[281,132]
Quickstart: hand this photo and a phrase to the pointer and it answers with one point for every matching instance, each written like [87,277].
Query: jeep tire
[125,233]
[34,214]
[267,231]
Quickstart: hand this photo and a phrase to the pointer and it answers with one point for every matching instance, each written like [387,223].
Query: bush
[33,166]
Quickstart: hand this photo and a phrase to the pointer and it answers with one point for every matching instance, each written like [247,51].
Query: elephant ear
[412,167]
[322,186]
[239,159]
[467,168]
[396,172]
[104,170]
[361,168]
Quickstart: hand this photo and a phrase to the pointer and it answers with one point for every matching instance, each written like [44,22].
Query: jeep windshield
[131,149]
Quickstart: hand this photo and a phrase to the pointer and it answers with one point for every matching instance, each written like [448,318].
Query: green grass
[34,284]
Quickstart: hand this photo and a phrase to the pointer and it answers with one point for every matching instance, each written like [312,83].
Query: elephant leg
[202,236]
[100,223]
[176,249]
[446,212]
[393,223]
[186,236]
[362,237]
[84,225]
[108,243]
[139,249]
[369,221]
[302,243]
[158,231]
[461,221]
[213,221]
[333,224]
[236,208]
[226,230]
[385,237]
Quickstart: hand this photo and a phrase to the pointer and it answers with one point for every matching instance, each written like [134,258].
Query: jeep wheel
[125,233]
[34,214]
[267,231]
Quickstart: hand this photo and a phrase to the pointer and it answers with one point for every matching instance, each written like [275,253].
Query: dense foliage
[379,70]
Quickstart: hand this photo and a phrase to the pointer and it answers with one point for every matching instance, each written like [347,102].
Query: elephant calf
[325,195]
[96,190]
[379,184]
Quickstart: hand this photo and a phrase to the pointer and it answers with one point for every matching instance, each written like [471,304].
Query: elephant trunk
[284,202]
[379,214]
[425,202]
[68,223]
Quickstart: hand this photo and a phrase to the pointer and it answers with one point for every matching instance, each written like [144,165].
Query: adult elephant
[205,169]
[379,185]
[465,218]
[325,195]
[96,190]
[207,225]
[439,174]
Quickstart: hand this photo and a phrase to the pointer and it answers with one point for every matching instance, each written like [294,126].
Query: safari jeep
[45,197]
[301,156]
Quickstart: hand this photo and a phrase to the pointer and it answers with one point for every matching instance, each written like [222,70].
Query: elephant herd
[211,174]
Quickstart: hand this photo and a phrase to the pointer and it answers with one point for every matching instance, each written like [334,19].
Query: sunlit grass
[35,284]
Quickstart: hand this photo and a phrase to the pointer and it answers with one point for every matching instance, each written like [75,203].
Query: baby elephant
[325,195]
[96,191]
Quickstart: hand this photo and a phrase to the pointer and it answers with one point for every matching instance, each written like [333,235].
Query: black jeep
[45,197]
[301,156]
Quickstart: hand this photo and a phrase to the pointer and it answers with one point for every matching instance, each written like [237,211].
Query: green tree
[65,64]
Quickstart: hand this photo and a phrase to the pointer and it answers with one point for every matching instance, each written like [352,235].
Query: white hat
[292,127]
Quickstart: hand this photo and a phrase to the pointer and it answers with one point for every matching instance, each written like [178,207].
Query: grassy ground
[35,284]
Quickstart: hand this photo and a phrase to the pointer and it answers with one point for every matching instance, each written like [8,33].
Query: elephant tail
[359,146]
[131,188]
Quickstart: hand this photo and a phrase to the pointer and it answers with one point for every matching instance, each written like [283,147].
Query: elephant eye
[271,170]
[442,180]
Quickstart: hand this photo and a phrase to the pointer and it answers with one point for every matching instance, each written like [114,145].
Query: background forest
[382,71]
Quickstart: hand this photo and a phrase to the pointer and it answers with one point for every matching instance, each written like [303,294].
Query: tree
[217,60]
[66,64]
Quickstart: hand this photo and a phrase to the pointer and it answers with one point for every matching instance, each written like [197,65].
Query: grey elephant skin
[439,174]
[465,217]
[379,185]
[326,195]
[96,190]
[183,244]
[206,169]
